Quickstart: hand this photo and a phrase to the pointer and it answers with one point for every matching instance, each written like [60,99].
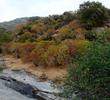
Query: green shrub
[92,14]
[37,55]
[50,54]
[5,37]
[27,37]
[81,46]
[89,74]
[56,55]
[103,36]
[66,33]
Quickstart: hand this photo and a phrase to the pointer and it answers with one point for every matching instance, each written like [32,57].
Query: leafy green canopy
[93,14]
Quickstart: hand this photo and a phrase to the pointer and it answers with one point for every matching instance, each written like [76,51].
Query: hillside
[54,40]
[11,25]
[80,40]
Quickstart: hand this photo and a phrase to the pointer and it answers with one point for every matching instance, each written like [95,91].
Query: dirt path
[20,85]
[51,73]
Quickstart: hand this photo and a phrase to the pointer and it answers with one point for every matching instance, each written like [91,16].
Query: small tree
[93,14]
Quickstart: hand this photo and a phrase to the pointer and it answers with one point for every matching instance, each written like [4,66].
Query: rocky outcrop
[26,85]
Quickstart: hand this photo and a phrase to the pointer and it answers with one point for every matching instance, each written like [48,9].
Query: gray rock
[28,86]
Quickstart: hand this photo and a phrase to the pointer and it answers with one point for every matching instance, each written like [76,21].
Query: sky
[11,9]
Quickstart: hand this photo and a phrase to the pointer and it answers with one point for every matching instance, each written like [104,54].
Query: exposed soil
[51,73]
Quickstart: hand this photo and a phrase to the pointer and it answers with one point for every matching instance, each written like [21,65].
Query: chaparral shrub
[89,75]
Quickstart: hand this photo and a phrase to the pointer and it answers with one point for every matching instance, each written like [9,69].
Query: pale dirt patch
[52,73]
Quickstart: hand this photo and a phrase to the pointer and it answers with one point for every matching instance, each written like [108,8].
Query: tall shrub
[89,76]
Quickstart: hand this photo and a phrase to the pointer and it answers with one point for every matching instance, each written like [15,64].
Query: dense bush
[65,33]
[5,36]
[20,50]
[80,45]
[102,36]
[47,53]
[56,55]
[93,14]
[71,31]
[36,56]
[50,54]
[38,52]
[27,37]
[89,76]
[25,51]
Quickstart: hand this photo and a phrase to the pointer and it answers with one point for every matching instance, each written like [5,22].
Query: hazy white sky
[11,9]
